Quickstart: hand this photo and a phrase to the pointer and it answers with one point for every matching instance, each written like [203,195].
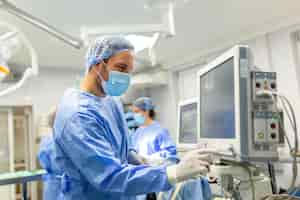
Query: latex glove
[194,164]
[154,160]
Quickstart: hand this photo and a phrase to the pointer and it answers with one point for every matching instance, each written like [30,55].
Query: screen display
[188,124]
[217,102]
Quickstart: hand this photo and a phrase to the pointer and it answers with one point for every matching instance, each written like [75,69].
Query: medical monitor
[225,111]
[217,102]
[187,131]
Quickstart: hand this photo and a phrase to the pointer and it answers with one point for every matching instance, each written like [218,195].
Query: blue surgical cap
[144,103]
[104,48]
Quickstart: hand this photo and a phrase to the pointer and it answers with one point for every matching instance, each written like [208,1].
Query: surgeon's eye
[121,67]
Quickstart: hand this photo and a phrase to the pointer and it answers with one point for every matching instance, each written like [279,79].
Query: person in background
[52,182]
[154,143]
[90,134]
[151,140]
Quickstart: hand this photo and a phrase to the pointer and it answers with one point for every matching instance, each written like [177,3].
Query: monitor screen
[188,123]
[217,102]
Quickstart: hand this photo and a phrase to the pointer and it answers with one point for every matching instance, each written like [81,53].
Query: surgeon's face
[121,62]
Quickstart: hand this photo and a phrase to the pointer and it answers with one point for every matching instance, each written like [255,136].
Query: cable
[281,123]
[295,150]
[284,132]
[293,122]
[177,190]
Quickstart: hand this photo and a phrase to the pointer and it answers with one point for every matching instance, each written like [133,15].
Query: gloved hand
[154,160]
[192,165]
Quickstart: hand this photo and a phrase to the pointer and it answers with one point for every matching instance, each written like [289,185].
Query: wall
[166,98]
[273,51]
[42,91]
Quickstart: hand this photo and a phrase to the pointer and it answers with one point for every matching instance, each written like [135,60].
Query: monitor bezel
[180,105]
[216,143]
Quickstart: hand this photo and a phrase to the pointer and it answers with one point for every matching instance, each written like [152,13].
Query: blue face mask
[139,118]
[117,83]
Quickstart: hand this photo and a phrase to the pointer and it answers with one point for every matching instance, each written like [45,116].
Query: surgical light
[4,71]
[29,72]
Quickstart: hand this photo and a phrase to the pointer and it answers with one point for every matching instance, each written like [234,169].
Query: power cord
[289,110]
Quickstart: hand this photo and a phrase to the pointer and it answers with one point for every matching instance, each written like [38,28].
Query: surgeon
[91,134]
[52,181]
[155,144]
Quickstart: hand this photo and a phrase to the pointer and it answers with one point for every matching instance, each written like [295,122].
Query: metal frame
[66,38]
[10,138]
[18,178]
[31,164]
[31,143]
[180,105]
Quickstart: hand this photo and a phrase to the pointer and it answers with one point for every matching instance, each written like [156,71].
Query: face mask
[139,118]
[117,83]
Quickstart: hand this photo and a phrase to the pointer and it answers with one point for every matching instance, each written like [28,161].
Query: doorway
[16,146]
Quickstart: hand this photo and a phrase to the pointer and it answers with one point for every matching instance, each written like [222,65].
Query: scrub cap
[104,48]
[144,103]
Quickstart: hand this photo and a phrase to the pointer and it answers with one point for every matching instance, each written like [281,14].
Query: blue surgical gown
[91,140]
[52,181]
[153,141]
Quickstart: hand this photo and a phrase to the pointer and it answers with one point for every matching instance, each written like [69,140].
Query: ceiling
[200,25]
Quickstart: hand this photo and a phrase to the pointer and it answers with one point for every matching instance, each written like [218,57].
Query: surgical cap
[106,47]
[144,103]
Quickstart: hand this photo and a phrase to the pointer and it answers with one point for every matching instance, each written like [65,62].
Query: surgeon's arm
[43,154]
[87,142]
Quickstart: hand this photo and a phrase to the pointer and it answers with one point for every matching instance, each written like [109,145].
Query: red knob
[273,125]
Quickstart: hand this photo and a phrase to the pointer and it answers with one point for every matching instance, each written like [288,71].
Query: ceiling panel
[200,25]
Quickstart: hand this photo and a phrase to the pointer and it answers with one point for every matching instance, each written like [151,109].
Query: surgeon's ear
[147,113]
[103,69]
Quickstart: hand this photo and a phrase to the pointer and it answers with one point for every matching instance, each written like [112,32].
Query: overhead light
[29,72]
[4,71]
[66,38]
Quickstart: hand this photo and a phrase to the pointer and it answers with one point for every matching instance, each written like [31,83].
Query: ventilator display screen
[217,102]
[188,124]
